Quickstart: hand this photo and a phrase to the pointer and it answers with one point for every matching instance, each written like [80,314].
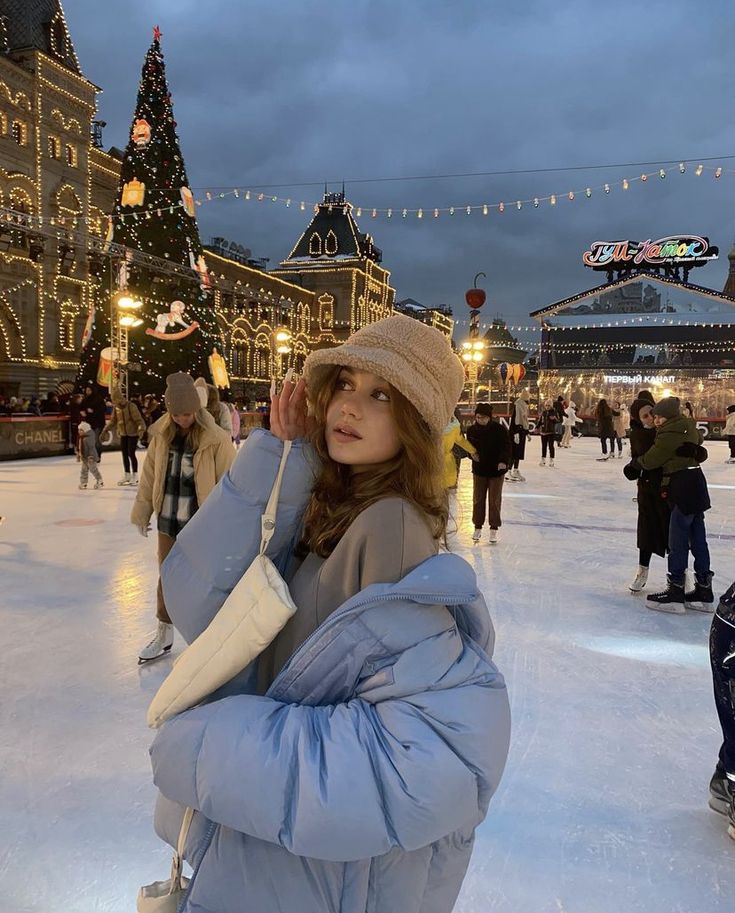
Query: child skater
[358,754]
[88,456]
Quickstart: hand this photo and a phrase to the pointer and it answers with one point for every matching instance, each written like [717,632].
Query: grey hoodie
[88,446]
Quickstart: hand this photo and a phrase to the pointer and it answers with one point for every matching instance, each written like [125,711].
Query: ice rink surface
[603,806]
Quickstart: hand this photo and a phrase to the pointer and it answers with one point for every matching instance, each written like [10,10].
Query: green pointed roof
[333,235]
[39,24]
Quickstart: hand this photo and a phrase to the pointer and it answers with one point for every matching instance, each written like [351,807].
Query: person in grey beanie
[186,457]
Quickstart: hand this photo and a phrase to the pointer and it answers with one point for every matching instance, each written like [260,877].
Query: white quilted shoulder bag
[255,611]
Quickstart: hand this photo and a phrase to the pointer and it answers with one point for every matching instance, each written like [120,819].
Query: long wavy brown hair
[339,495]
[167,429]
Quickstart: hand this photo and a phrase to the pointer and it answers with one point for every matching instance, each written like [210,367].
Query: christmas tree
[154,213]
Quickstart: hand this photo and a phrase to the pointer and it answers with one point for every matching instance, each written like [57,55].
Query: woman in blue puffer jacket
[347,768]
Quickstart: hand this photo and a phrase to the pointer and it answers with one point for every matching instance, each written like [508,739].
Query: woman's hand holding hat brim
[289,415]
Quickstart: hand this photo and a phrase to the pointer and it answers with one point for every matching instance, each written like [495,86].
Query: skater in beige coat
[186,457]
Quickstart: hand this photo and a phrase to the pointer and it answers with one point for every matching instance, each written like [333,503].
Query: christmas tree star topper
[156,33]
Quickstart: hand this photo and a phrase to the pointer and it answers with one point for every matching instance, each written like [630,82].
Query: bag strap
[268,519]
[177,862]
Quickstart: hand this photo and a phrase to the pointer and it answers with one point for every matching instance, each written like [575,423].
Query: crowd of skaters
[190,452]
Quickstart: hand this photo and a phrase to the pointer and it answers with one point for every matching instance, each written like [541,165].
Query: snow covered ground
[603,807]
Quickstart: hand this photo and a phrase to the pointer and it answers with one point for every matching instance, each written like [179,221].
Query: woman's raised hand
[289,418]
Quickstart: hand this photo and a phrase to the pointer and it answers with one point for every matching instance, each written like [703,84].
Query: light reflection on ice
[649,650]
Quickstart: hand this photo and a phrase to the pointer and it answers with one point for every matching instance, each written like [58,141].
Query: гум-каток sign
[673,250]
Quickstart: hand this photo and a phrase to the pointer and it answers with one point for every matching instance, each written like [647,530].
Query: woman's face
[184,421]
[645,416]
[361,430]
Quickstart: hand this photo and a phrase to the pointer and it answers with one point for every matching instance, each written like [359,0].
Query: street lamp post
[473,354]
[280,346]
[123,320]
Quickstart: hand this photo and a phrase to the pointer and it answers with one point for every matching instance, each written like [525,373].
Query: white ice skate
[99,484]
[477,535]
[551,464]
[81,487]
[125,480]
[640,580]
[519,477]
[493,537]
[134,478]
[730,460]
[160,645]
[601,459]
[542,463]
[512,477]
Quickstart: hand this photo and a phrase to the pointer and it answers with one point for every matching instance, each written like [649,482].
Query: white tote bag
[255,611]
[166,896]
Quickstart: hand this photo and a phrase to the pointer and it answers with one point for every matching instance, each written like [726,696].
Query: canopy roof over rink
[643,330]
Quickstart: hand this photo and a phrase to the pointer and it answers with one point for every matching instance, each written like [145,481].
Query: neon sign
[673,250]
[640,378]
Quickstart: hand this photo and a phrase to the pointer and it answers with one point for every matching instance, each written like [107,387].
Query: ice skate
[477,535]
[551,464]
[519,477]
[670,600]
[542,463]
[601,459]
[701,598]
[160,645]
[640,579]
[99,484]
[82,487]
[134,479]
[731,817]
[493,537]
[125,480]
[511,477]
[720,791]
[730,460]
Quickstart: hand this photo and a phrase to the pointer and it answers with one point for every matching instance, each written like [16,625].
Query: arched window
[330,243]
[68,314]
[315,245]
[20,132]
[262,358]
[54,147]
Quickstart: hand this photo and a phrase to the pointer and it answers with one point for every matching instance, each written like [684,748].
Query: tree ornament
[187,198]
[141,134]
[133,193]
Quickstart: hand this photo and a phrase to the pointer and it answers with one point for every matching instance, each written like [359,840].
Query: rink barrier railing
[28,436]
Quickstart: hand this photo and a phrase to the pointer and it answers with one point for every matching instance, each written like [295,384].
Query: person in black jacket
[653,510]
[546,426]
[722,656]
[604,416]
[492,443]
[93,412]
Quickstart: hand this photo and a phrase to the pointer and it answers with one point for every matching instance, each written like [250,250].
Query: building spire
[729,288]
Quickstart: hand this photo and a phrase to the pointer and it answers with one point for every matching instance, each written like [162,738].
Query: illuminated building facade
[438,317]
[342,267]
[49,167]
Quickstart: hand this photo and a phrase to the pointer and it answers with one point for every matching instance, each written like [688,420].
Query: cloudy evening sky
[296,92]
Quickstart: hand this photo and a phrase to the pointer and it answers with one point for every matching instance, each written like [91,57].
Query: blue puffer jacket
[356,783]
